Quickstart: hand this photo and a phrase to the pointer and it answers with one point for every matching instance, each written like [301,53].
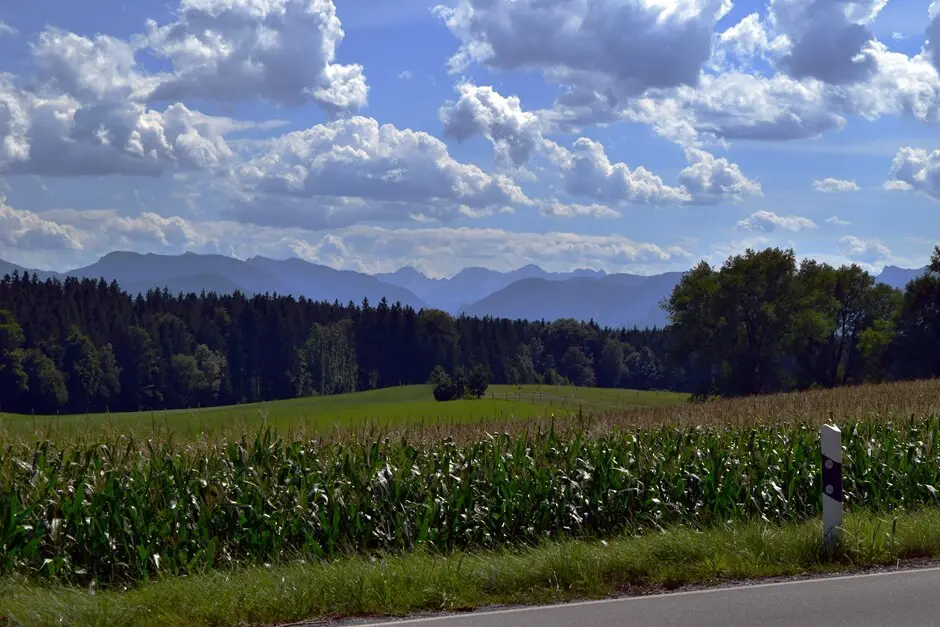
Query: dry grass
[865,403]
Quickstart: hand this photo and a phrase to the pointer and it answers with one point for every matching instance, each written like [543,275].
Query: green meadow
[390,407]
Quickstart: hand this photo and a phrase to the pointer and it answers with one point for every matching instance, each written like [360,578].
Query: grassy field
[641,491]
[412,406]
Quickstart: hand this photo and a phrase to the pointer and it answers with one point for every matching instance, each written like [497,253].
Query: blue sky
[625,135]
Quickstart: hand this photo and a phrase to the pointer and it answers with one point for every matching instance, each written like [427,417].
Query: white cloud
[831,185]
[329,173]
[863,251]
[26,230]
[768,222]
[837,221]
[514,133]
[748,40]
[584,43]
[916,169]
[828,39]
[897,186]
[706,180]
[592,175]
[238,50]
[933,33]
[711,180]
[90,70]
[900,86]
[405,75]
[62,136]
[6,29]
[737,105]
[558,209]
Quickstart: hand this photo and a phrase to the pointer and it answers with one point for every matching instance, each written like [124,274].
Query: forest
[760,323]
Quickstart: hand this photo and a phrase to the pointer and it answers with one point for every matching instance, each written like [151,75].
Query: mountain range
[529,292]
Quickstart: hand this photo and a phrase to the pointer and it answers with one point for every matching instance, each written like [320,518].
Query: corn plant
[124,511]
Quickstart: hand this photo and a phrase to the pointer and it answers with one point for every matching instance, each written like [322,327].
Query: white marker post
[831,439]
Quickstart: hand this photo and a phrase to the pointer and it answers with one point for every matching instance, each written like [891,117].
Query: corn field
[126,511]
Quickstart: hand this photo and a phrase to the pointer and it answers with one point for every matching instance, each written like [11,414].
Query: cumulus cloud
[837,221]
[738,105]
[62,136]
[103,68]
[748,40]
[27,230]
[706,180]
[237,50]
[768,222]
[900,86]
[514,133]
[917,169]
[583,42]
[710,180]
[828,38]
[864,251]
[403,173]
[831,185]
[7,30]
[933,33]
[592,175]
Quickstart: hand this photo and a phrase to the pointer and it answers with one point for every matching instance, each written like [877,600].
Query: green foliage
[47,387]
[331,358]
[14,382]
[762,324]
[126,510]
[438,375]
[450,388]
[82,367]
[478,380]
[577,368]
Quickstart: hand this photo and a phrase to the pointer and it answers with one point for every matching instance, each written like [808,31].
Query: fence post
[831,440]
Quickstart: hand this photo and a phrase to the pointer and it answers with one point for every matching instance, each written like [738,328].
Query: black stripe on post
[832,479]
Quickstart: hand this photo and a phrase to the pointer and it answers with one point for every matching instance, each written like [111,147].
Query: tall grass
[124,510]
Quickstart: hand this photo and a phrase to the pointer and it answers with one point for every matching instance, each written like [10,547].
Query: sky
[622,135]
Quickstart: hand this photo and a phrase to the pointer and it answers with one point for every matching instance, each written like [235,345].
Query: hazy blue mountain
[151,270]
[9,268]
[298,277]
[613,300]
[899,277]
[191,283]
[471,284]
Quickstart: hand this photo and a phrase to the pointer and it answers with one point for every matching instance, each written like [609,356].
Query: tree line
[764,323]
[81,345]
[760,323]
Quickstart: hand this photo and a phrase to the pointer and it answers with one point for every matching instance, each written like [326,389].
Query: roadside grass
[420,582]
[409,407]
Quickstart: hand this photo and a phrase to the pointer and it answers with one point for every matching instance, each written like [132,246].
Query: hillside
[323,283]
[614,300]
[472,284]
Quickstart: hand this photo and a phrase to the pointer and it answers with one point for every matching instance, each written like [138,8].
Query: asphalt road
[887,599]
